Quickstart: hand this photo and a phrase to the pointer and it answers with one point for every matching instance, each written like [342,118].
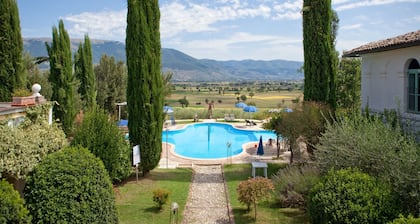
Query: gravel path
[207,201]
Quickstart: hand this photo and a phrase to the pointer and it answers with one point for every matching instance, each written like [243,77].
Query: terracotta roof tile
[401,41]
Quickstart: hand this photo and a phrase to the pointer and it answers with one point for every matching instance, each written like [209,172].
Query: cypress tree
[83,67]
[61,77]
[320,63]
[144,84]
[11,48]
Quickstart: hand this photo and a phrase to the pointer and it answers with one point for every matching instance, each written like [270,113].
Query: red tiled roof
[401,41]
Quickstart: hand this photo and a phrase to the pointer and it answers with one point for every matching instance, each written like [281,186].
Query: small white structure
[256,165]
[391,75]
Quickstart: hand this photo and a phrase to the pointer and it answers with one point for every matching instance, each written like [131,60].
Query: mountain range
[186,68]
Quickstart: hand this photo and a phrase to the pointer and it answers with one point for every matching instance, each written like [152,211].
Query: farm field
[225,103]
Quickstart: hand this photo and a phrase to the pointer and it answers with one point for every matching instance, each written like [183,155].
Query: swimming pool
[209,140]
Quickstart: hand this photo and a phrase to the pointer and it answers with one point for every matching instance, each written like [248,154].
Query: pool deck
[169,159]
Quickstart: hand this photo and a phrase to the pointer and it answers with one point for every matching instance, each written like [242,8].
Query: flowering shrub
[251,191]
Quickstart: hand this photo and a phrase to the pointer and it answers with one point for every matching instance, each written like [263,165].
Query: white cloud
[177,17]
[351,27]
[346,4]
[289,10]
[102,25]
[250,46]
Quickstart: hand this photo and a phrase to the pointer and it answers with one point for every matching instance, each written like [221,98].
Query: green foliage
[350,196]
[320,59]
[36,76]
[349,84]
[61,77]
[11,48]
[21,92]
[375,148]
[167,87]
[160,197]
[405,220]
[144,84]
[111,82]
[308,122]
[293,184]
[70,186]
[103,138]
[12,209]
[83,67]
[251,191]
[23,147]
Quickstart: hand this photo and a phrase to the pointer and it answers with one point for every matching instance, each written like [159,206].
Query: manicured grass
[267,211]
[135,204]
[134,199]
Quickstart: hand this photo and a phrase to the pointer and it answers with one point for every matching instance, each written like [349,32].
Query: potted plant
[22,97]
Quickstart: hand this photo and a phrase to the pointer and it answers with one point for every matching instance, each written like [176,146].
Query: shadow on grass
[154,210]
[297,215]
[157,175]
[242,216]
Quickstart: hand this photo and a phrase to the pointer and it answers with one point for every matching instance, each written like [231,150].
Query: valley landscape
[186,68]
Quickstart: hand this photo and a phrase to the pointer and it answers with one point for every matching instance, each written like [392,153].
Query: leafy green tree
[184,102]
[11,48]
[352,197]
[375,148]
[83,67]
[145,85]
[307,122]
[251,94]
[103,138]
[12,209]
[320,58]
[167,87]
[111,82]
[61,77]
[36,76]
[349,84]
[71,186]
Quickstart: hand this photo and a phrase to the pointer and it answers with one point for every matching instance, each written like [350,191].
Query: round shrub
[103,138]
[350,196]
[12,209]
[70,186]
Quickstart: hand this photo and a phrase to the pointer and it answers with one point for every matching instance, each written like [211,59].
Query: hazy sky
[225,29]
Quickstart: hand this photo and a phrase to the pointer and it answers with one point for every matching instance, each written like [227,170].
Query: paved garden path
[207,201]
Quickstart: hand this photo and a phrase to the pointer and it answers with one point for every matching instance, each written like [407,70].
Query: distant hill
[187,68]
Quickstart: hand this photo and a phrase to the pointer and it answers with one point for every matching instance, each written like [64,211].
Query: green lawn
[134,199]
[267,212]
[135,205]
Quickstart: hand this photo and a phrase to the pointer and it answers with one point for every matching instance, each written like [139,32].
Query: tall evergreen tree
[145,86]
[111,82]
[61,77]
[11,49]
[83,68]
[320,61]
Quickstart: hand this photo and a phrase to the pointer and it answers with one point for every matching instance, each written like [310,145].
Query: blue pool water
[209,140]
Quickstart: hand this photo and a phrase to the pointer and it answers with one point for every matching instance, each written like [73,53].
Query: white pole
[166,145]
